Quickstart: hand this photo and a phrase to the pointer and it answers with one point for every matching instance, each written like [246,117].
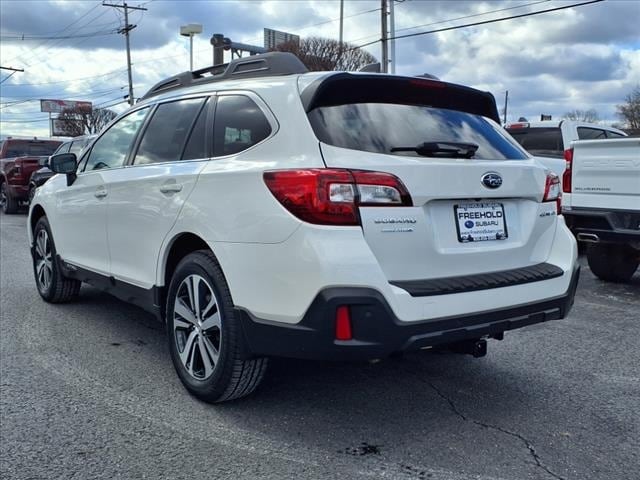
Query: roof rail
[263,65]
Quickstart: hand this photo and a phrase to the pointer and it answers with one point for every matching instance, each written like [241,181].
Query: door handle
[101,192]
[170,187]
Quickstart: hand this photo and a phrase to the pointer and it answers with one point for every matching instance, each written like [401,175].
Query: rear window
[30,149]
[540,141]
[611,134]
[380,127]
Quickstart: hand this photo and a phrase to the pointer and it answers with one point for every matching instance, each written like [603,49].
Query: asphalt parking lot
[88,391]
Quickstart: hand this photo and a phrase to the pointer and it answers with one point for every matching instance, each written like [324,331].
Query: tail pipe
[588,237]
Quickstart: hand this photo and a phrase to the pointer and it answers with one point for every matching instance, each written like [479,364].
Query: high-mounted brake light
[552,191]
[331,196]
[517,125]
[566,176]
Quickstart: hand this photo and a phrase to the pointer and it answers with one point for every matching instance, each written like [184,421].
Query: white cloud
[588,57]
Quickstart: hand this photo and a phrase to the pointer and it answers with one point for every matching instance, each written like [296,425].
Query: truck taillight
[566,176]
[552,191]
[331,196]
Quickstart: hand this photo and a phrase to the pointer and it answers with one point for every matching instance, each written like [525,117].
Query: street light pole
[189,31]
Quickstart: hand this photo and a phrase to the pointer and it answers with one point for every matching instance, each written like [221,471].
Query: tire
[53,287]
[32,193]
[206,343]
[613,262]
[8,203]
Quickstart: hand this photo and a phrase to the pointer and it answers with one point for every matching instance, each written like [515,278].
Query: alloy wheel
[43,260]
[197,326]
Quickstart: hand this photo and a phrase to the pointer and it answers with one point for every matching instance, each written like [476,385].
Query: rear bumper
[377,332]
[616,226]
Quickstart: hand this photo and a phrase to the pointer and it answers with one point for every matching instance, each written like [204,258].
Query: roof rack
[263,65]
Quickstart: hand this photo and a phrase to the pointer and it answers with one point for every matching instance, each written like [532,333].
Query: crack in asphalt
[527,443]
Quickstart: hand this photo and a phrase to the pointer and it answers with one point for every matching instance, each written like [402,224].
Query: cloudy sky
[579,58]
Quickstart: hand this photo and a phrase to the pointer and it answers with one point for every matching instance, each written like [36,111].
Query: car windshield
[396,128]
[31,149]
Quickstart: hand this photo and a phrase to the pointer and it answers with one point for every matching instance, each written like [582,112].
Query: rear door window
[381,127]
[164,139]
[588,133]
[239,124]
[540,141]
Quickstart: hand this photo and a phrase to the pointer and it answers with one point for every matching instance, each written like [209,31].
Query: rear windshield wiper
[447,149]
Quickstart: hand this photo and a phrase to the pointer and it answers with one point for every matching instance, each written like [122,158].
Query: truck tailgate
[606,174]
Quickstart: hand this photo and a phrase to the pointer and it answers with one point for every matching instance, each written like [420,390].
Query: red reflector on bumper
[343,323]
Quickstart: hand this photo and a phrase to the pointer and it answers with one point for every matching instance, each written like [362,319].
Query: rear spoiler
[345,88]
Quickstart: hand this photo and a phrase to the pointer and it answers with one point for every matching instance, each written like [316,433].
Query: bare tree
[81,121]
[326,54]
[630,111]
[590,116]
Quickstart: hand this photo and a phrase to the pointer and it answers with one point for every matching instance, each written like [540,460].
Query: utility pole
[341,20]
[385,46]
[506,100]
[126,29]
[392,42]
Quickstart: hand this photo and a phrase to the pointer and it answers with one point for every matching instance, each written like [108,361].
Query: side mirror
[65,163]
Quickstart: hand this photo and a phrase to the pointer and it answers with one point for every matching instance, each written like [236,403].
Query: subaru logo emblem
[491,180]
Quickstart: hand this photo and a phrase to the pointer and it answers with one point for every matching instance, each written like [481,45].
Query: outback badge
[491,180]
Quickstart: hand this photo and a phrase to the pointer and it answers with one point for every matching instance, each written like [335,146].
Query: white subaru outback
[262,210]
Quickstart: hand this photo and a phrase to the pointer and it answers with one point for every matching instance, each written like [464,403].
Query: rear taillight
[566,176]
[552,191]
[326,196]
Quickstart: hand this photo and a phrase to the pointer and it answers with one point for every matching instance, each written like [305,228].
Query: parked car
[263,210]
[19,158]
[39,177]
[547,140]
[602,204]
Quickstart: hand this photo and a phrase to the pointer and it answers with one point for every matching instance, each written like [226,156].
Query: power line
[113,72]
[306,27]
[63,37]
[25,121]
[473,16]
[113,104]
[530,14]
[522,15]
[59,42]
[452,19]
[65,28]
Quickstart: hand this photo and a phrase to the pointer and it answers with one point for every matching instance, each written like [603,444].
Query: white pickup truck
[548,140]
[601,203]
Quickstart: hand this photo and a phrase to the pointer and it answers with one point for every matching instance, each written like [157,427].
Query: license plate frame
[472,228]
